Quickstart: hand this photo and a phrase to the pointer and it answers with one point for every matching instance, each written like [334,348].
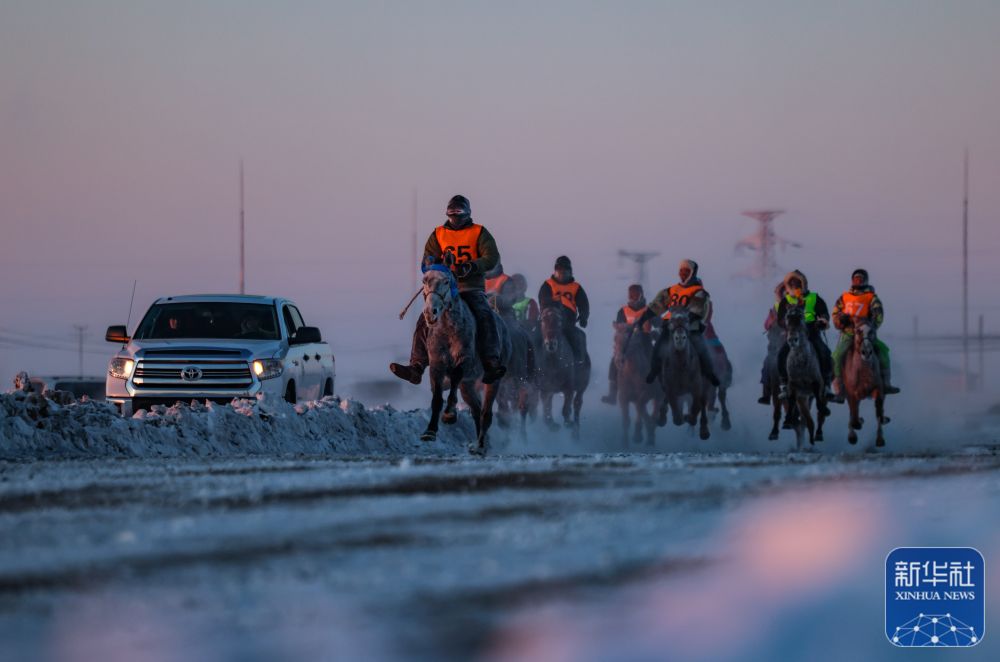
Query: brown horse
[451,348]
[805,380]
[862,375]
[681,376]
[633,352]
[559,372]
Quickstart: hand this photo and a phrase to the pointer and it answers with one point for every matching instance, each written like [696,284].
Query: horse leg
[700,405]
[623,405]
[852,424]
[567,408]
[647,417]
[775,417]
[547,410]
[450,413]
[522,407]
[726,423]
[471,397]
[880,415]
[437,401]
[487,418]
[577,406]
[806,417]
[661,415]
[676,409]
[820,411]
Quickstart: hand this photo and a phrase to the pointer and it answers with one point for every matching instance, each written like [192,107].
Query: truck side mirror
[306,335]
[117,334]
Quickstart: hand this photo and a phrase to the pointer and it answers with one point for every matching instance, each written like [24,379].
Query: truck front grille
[197,375]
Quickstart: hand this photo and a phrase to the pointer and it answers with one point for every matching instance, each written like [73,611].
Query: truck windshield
[209,319]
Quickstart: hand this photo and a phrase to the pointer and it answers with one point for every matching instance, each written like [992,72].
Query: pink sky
[574,127]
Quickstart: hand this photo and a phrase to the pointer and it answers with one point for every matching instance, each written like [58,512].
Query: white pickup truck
[218,347]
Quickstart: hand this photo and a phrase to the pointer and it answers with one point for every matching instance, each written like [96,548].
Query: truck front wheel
[290,393]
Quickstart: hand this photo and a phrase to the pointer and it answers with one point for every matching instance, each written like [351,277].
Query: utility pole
[79,335]
[243,289]
[765,242]
[965,271]
[639,258]
[413,245]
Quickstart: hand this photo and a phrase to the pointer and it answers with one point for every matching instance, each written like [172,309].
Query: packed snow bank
[33,426]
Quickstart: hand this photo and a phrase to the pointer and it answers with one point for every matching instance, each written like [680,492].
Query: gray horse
[805,380]
[559,372]
[518,389]
[633,352]
[681,376]
[862,376]
[451,348]
[772,382]
[724,371]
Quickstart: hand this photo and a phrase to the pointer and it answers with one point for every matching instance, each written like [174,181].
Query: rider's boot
[887,382]
[492,370]
[783,391]
[412,373]
[612,397]
[765,398]
[838,391]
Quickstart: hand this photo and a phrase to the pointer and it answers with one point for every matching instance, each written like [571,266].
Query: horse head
[551,324]
[864,342]
[678,327]
[795,332]
[440,294]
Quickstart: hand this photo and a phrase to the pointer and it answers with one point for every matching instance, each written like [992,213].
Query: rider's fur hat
[562,262]
[460,202]
[801,276]
[635,290]
[689,264]
[860,272]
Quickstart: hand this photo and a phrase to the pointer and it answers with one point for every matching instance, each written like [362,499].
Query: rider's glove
[465,269]
[583,323]
[845,320]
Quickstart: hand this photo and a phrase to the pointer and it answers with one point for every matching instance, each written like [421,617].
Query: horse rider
[770,323]
[561,291]
[474,252]
[858,303]
[629,314]
[817,319]
[495,278]
[525,308]
[690,294]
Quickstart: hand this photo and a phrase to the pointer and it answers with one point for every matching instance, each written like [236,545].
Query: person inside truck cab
[250,326]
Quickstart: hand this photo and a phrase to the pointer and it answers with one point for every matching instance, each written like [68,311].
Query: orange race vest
[463,244]
[564,293]
[858,306]
[680,295]
[493,285]
[632,316]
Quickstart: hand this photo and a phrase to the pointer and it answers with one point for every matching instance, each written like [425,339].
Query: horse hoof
[787,425]
[726,424]
[880,442]
[819,436]
[449,418]
[852,439]
[704,434]
[773,436]
[857,425]
[429,435]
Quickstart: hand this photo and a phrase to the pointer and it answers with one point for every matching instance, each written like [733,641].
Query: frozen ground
[260,532]
[679,556]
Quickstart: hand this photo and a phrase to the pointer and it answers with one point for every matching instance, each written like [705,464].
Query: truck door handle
[305,357]
[317,357]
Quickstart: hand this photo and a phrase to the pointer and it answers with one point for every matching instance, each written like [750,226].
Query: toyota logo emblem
[191,373]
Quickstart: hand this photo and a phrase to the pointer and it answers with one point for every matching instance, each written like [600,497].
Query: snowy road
[679,556]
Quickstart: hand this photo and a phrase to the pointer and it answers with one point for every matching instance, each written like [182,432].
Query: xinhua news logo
[934,596]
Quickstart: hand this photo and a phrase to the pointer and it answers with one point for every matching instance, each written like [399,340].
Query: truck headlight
[268,368]
[121,368]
